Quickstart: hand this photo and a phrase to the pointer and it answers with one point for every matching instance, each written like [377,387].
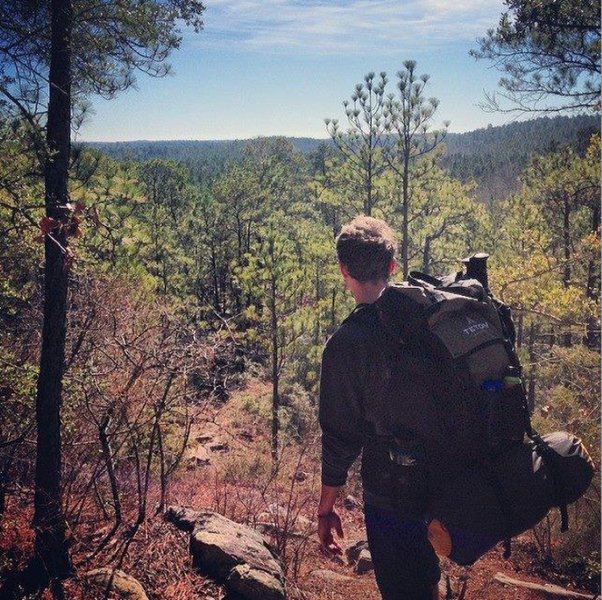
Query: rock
[231,552]
[218,544]
[364,562]
[353,552]
[246,435]
[276,510]
[201,458]
[255,584]
[118,581]
[203,439]
[277,517]
[331,576]
[301,476]
[182,517]
[350,503]
[219,447]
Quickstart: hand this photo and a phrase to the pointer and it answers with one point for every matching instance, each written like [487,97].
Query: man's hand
[326,524]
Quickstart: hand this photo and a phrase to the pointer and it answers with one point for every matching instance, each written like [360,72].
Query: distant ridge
[493,156]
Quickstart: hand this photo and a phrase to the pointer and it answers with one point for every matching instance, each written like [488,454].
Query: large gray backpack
[466,414]
[465,339]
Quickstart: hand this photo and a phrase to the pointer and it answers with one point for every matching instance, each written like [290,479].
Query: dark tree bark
[519,330]
[405,210]
[566,245]
[275,359]
[533,370]
[426,255]
[592,291]
[50,548]
[566,241]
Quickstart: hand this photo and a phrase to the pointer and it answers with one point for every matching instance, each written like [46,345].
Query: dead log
[545,588]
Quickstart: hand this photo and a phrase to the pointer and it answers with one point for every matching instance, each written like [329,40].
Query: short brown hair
[366,246]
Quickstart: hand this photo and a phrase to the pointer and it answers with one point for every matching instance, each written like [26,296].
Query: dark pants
[405,565]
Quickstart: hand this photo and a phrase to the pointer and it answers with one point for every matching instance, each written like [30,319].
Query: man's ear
[344,269]
[392,266]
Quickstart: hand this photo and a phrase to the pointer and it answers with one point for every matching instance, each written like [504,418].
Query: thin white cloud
[337,27]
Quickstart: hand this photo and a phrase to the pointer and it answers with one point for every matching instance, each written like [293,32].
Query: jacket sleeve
[341,412]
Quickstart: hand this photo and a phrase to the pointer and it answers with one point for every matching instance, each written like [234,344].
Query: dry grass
[237,484]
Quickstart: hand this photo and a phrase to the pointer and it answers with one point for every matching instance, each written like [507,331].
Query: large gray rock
[182,517]
[255,584]
[231,552]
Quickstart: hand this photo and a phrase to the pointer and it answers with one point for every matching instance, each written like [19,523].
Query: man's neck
[367,293]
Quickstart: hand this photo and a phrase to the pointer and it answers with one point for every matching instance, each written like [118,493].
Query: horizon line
[307,137]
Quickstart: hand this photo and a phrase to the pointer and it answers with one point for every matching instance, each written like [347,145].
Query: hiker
[351,406]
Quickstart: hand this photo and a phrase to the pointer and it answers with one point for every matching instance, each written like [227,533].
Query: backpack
[467,519]
[470,415]
[471,336]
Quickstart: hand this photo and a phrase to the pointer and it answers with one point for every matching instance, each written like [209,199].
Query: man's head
[366,249]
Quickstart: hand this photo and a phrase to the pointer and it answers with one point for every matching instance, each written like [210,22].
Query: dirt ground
[228,423]
[227,469]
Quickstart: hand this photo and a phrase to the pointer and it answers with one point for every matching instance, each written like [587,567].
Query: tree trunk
[592,291]
[368,197]
[426,255]
[49,521]
[275,369]
[566,242]
[519,330]
[532,370]
[405,242]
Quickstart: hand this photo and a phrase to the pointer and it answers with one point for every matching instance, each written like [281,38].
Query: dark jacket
[377,391]
[354,369]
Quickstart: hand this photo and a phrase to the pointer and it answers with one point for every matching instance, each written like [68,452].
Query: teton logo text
[474,327]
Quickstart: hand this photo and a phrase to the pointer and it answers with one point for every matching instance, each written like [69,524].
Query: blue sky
[279,67]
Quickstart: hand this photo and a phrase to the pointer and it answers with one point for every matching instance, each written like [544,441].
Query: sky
[279,67]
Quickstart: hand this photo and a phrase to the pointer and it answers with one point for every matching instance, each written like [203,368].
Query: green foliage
[548,245]
[299,411]
[111,41]
[549,52]
[492,156]
[361,145]
[243,269]
[569,388]
[495,156]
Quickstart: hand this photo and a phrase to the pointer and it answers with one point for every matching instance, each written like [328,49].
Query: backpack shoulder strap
[424,280]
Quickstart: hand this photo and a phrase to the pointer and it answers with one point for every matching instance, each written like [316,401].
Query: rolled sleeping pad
[467,518]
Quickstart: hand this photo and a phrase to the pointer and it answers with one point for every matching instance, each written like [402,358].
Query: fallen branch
[545,588]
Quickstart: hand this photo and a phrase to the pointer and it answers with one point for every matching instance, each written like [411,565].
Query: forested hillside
[183,293]
[493,157]
[164,308]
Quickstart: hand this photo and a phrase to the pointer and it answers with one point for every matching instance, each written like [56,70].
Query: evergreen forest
[200,284]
